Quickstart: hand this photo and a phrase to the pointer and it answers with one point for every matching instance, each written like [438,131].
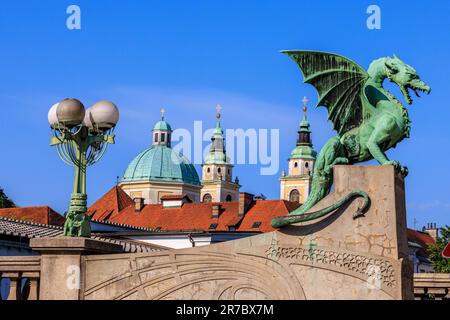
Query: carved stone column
[33,277]
[14,286]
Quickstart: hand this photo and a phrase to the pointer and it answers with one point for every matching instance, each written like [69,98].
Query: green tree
[439,263]
[5,202]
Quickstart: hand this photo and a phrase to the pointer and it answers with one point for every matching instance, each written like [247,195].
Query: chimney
[216,208]
[245,202]
[432,230]
[138,204]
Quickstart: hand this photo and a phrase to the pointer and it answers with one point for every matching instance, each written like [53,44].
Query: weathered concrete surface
[61,264]
[337,257]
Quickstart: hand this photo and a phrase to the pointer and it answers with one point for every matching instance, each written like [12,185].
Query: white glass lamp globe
[52,117]
[70,112]
[87,122]
[104,115]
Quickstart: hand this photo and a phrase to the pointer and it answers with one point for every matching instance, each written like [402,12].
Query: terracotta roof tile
[195,216]
[421,238]
[42,214]
[114,201]
[26,229]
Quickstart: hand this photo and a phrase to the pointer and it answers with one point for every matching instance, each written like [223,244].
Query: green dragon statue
[369,120]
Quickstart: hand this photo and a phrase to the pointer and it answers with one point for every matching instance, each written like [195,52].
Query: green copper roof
[217,153]
[304,152]
[304,148]
[304,124]
[162,125]
[161,163]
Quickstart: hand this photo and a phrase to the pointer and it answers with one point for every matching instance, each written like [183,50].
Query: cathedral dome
[161,164]
[162,125]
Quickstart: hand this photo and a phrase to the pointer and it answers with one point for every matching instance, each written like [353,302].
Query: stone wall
[337,257]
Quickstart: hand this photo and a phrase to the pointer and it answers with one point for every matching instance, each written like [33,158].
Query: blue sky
[189,55]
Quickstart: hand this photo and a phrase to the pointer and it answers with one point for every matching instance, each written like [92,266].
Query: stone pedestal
[61,264]
[336,257]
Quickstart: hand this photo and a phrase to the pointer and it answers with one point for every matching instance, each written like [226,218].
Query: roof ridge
[121,224]
[31,223]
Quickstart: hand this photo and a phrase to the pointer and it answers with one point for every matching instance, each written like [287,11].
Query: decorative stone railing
[431,286]
[23,274]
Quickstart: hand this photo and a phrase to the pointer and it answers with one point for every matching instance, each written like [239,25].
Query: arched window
[228,198]
[207,198]
[306,164]
[208,170]
[163,137]
[156,137]
[219,170]
[295,164]
[294,196]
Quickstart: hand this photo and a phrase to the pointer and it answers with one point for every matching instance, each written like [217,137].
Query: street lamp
[81,138]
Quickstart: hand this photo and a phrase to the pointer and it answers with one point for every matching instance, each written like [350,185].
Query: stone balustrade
[21,276]
[23,273]
[431,286]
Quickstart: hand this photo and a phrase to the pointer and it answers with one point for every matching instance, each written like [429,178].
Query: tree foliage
[439,263]
[5,202]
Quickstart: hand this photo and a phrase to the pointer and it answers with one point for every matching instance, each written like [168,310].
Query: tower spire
[305,108]
[163,111]
[218,109]
[304,133]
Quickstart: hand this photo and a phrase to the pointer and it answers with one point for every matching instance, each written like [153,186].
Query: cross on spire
[305,100]
[163,111]
[218,109]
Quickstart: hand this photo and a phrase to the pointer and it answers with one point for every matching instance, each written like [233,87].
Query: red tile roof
[421,238]
[192,216]
[42,215]
[114,201]
[175,197]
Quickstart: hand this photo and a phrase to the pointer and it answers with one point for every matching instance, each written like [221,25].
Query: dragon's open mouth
[414,88]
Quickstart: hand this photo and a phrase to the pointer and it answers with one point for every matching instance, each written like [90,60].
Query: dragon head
[405,77]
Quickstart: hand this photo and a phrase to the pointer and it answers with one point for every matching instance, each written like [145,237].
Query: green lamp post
[81,138]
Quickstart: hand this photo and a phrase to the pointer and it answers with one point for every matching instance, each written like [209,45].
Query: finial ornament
[305,100]
[163,111]
[218,109]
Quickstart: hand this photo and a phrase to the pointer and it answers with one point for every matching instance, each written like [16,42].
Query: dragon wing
[339,82]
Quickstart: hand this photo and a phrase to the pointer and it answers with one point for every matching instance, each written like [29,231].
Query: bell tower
[217,171]
[162,132]
[296,184]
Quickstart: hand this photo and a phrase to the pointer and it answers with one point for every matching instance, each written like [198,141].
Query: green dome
[161,163]
[162,125]
[304,152]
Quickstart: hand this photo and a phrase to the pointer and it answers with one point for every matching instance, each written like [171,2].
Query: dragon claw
[402,169]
